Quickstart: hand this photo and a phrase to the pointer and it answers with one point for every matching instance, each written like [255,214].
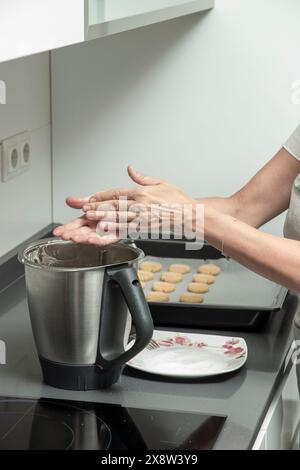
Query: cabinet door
[284,416]
[31,26]
[261,441]
[114,9]
[113,16]
[290,410]
[281,421]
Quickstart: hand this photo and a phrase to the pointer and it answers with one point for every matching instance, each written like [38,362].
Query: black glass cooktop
[55,425]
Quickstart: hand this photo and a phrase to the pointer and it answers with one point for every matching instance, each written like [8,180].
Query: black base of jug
[77,377]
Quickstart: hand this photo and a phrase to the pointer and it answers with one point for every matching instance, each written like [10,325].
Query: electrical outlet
[25,150]
[10,158]
[16,155]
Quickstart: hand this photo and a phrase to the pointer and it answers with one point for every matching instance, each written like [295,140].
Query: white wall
[25,202]
[203,101]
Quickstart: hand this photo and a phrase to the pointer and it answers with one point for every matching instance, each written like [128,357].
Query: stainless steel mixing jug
[81,299]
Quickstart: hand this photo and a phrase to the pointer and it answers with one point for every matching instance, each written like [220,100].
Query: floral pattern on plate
[230,346]
[191,355]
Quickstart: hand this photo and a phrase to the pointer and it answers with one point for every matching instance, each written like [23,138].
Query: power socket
[25,150]
[15,156]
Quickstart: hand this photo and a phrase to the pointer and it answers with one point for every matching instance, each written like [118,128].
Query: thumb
[141,179]
[77,202]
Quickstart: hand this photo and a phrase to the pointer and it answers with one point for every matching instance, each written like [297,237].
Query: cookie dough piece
[204,278]
[190,298]
[145,276]
[198,288]
[174,278]
[163,287]
[158,297]
[209,269]
[152,266]
[180,268]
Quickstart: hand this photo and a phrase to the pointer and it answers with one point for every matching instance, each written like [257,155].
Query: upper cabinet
[31,26]
[113,16]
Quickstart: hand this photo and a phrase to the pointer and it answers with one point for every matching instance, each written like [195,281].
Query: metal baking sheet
[235,288]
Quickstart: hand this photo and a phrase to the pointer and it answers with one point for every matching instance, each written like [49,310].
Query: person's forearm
[275,258]
[236,207]
[265,196]
[225,205]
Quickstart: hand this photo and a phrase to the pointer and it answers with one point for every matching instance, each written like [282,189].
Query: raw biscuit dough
[180,268]
[152,266]
[209,269]
[163,287]
[198,288]
[189,298]
[205,278]
[158,297]
[145,276]
[171,277]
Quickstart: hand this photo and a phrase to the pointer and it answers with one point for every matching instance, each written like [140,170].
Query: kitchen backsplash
[203,101]
[25,201]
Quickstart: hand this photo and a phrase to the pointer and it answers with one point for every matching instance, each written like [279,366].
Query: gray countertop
[243,396]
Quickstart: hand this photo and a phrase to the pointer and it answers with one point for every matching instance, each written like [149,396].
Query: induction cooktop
[47,424]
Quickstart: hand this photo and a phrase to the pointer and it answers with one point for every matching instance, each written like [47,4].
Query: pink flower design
[177,341]
[227,346]
[183,341]
[232,342]
[166,342]
[234,351]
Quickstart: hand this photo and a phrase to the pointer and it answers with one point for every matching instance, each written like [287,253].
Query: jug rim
[23,256]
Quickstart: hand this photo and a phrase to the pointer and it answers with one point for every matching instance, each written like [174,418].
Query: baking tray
[238,299]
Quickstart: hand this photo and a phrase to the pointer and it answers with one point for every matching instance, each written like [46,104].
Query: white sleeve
[292,145]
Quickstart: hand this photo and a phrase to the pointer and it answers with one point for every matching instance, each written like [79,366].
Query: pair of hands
[107,214]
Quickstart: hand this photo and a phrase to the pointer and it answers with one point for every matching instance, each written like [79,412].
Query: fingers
[112,206]
[79,235]
[141,179]
[74,224]
[95,239]
[113,229]
[88,235]
[113,195]
[83,231]
[70,235]
[111,216]
[77,202]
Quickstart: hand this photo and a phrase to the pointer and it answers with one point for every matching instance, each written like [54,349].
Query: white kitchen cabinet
[282,418]
[31,26]
[261,441]
[105,17]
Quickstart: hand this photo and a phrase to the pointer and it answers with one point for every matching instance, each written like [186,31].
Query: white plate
[190,355]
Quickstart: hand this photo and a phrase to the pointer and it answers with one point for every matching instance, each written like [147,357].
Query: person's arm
[275,258]
[265,196]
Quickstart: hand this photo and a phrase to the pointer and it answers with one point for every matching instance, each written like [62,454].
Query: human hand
[110,212]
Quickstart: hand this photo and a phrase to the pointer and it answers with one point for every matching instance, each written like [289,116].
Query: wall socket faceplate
[15,155]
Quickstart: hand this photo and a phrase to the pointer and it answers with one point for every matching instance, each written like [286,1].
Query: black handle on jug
[126,278]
